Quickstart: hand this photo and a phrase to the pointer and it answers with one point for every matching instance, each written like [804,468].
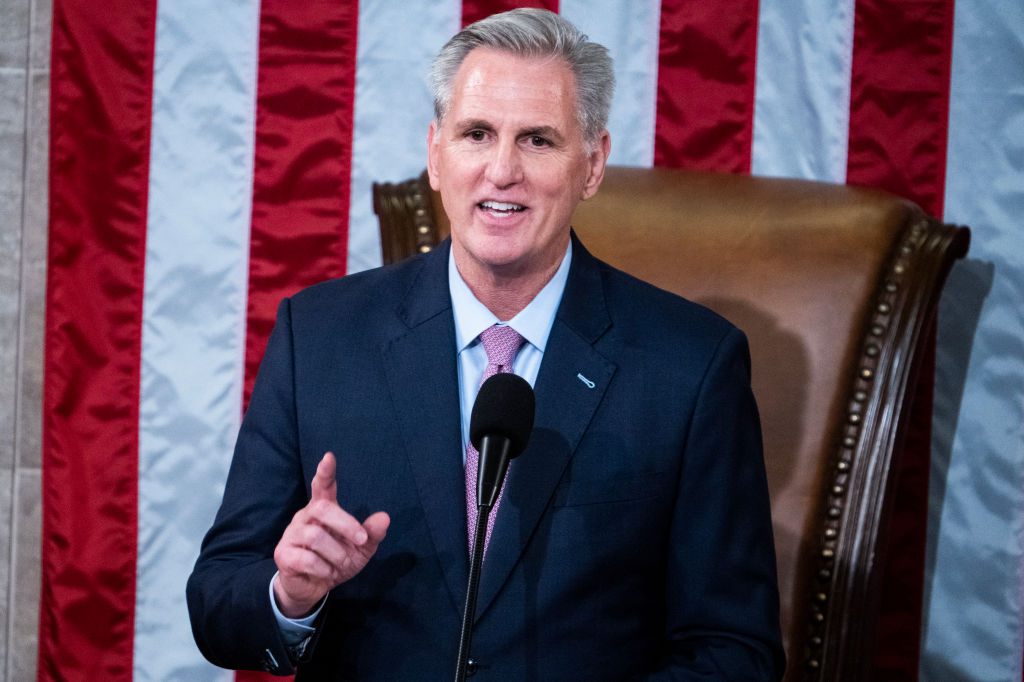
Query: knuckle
[321,508]
[311,535]
[308,563]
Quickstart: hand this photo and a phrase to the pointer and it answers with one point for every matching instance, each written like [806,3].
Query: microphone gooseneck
[499,429]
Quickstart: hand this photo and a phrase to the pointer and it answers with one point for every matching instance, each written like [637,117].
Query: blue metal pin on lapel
[588,382]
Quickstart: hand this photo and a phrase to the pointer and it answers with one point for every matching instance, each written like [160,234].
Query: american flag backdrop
[209,158]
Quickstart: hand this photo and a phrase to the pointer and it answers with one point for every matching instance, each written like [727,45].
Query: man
[633,538]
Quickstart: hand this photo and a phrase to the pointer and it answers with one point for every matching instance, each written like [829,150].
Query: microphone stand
[469,610]
[495,454]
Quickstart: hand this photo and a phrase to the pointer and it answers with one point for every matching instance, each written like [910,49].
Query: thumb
[324,485]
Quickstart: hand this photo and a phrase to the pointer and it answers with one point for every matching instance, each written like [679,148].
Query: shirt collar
[532,322]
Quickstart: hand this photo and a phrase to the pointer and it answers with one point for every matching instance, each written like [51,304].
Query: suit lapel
[420,365]
[572,381]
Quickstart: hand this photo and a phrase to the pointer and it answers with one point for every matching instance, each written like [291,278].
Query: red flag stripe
[706,60]
[303,160]
[481,9]
[899,98]
[301,181]
[99,161]
[899,107]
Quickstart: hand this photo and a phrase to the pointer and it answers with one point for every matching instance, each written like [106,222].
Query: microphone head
[504,407]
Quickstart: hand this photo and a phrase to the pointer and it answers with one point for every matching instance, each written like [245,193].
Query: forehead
[493,81]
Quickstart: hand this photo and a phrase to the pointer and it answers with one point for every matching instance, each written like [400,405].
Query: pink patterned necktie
[501,343]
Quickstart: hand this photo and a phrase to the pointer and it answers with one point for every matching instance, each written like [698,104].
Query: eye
[476,135]
[538,141]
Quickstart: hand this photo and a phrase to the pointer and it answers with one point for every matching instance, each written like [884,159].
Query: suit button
[471,667]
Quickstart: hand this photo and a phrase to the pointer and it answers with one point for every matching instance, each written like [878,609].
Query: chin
[497,250]
[501,261]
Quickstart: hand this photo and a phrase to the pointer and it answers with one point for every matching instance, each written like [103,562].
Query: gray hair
[528,32]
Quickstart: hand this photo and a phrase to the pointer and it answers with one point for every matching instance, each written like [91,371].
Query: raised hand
[323,546]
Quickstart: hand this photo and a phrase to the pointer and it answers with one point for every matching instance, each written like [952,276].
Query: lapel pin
[588,382]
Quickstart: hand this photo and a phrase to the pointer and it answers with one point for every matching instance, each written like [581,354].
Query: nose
[504,168]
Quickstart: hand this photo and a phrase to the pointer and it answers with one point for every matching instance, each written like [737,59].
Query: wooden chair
[836,288]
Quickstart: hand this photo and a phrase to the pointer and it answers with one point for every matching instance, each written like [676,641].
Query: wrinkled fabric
[900,98]
[304,113]
[706,85]
[99,158]
[802,108]
[975,614]
[474,10]
[193,321]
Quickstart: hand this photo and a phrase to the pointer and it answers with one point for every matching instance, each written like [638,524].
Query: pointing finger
[324,485]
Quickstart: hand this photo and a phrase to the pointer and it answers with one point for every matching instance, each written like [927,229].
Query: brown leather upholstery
[835,288]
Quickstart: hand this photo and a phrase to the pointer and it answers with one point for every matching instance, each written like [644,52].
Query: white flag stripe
[974,614]
[802,101]
[630,32]
[392,106]
[196,278]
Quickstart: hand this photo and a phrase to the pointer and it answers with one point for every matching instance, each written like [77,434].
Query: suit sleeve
[232,619]
[722,619]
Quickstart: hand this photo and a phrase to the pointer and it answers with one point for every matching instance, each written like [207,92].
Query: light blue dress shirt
[472,317]
[533,323]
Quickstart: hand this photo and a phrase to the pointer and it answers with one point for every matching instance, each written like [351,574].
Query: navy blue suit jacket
[634,537]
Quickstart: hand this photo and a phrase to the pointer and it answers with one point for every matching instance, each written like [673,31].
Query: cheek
[564,183]
[462,177]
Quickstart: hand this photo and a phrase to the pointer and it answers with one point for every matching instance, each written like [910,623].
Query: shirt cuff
[295,631]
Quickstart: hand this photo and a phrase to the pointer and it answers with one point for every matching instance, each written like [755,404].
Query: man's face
[511,164]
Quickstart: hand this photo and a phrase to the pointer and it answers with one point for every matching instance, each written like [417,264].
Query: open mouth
[501,208]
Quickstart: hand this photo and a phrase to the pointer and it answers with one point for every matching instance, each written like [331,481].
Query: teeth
[500,206]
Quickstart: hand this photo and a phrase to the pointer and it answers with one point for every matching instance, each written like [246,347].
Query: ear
[597,160]
[432,143]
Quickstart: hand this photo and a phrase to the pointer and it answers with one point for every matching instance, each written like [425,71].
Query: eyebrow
[473,124]
[549,132]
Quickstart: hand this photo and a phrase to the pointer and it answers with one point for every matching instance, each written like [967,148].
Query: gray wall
[24,101]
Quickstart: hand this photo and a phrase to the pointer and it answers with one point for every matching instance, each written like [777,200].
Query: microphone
[499,428]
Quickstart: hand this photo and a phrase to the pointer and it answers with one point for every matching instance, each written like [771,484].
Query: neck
[505,291]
